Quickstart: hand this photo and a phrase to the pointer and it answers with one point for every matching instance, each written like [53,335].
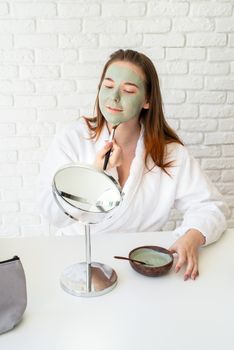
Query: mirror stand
[88,278]
[83,187]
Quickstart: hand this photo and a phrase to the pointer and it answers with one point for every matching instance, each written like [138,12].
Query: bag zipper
[9,260]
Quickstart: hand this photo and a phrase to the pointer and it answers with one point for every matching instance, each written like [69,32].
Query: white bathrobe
[148,195]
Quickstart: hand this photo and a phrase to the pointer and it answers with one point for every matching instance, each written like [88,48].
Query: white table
[140,313]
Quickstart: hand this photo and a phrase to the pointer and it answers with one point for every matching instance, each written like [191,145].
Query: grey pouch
[13,295]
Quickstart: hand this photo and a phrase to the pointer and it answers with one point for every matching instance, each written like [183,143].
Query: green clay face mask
[122,94]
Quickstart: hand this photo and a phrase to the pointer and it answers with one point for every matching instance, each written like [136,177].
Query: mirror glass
[87,188]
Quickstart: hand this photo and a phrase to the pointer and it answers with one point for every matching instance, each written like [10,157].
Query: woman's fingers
[108,146]
[186,247]
[189,268]
[186,256]
[103,151]
[115,156]
[194,273]
[181,261]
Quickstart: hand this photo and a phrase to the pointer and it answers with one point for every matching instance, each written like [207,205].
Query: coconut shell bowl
[158,261]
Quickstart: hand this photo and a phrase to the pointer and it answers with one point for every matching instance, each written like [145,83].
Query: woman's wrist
[197,236]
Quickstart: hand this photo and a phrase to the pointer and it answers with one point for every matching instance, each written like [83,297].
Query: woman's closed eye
[129,92]
[111,87]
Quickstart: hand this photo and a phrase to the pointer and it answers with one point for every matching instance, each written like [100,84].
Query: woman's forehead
[124,71]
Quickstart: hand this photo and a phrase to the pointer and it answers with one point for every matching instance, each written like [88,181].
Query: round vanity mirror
[86,195]
[86,188]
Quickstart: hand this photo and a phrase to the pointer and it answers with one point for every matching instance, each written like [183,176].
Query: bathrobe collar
[134,180]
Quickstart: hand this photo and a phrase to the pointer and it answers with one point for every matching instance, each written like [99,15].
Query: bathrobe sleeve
[198,199]
[62,151]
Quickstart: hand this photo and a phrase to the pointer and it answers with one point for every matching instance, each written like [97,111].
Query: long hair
[157,132]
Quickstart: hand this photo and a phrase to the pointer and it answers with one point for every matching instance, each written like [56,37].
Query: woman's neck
[127,133]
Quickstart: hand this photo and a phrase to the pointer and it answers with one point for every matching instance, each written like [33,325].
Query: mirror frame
[59,194]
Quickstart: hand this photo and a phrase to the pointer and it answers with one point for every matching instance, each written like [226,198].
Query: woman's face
[122,94]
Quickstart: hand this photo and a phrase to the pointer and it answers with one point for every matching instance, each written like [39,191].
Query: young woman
[154,169]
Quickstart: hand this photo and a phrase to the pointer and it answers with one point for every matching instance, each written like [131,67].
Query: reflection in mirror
[86,188]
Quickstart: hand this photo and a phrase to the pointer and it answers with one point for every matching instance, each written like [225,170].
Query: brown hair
[157,131]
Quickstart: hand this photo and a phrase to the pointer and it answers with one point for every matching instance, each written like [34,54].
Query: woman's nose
[116,96]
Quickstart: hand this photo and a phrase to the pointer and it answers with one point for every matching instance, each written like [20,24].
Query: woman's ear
[146,105]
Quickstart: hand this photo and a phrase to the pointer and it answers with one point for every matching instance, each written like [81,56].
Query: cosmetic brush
[107,156]
[134,260]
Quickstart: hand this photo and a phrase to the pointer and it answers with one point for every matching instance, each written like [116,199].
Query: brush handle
[129,259]
[107,155]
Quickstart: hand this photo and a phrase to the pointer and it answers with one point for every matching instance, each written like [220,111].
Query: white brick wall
[51,56]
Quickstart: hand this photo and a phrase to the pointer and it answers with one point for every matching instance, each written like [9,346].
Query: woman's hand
[115,157]
[187,249]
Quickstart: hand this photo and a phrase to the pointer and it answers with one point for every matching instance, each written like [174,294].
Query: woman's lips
[113,110]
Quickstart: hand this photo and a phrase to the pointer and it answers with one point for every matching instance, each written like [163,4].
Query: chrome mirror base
[102,279]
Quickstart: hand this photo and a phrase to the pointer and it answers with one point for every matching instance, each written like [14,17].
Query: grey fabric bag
[13,295]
